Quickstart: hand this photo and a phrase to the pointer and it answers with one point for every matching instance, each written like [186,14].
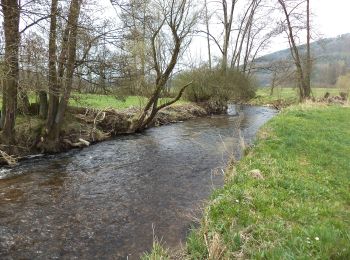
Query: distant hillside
[331,58]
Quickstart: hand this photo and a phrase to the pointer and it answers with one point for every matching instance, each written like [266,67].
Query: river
[108,200]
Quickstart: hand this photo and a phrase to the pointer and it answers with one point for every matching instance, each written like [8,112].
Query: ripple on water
[4,173]
[107,201]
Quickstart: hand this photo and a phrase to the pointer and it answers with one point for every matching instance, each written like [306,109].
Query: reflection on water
[101,202]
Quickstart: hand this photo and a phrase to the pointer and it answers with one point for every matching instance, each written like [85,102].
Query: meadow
[110,101]
[106,101]
[287,95]
[298,207]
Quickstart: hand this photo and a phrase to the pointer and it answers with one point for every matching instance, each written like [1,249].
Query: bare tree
[53,81]
[135,17]
[13,11]
[303,74]
[253,35]
[61,77]
[247,33]
[227,21]
[244,29]
[308,51]
[32,72]
[207,25]
[226,17]
[283,72]
[176,20]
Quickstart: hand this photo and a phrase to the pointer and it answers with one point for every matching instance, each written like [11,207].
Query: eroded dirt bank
[86,126]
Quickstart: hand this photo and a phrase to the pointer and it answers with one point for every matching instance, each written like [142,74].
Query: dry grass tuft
[215,247]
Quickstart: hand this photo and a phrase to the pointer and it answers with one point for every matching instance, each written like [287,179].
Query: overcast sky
[330,18]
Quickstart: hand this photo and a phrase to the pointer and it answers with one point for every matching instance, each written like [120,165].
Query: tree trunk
[308,54]
[61,78]
[208,33]
[240,37]
[179,27]
[273,84]
[295,53]
[53,83]
[228,19]
[43,104]
[24,104]
[11,13]
[3,106]
[55,119]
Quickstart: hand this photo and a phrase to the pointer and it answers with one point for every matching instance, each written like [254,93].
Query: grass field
[104,101]
[287,95]
[301,207]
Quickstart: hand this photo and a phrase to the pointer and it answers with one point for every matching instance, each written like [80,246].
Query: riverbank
[284,97]
[101,201]
[287,198]
[86,126]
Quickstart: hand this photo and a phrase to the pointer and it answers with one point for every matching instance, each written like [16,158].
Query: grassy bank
[299,208]
[104,101]
[286,96]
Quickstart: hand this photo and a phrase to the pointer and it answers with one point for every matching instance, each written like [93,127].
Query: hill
[331,59]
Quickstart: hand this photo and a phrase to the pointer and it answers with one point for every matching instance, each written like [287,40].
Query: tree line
[54,48]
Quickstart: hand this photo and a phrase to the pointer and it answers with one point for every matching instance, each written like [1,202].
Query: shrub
[343,83]
[215,85]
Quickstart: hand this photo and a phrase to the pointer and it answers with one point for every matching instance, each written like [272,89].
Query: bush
[215,85]
[343,83]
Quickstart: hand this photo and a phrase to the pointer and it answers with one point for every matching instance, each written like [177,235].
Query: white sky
[330,18]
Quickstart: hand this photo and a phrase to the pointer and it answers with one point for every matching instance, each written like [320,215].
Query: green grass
[158,252]
[104,101]
[301,209]
[287,95]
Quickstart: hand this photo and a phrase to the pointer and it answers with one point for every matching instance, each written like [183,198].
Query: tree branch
[34,23]
[179,95]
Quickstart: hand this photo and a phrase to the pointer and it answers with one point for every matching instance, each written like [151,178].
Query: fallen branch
[81,143]
[10,160]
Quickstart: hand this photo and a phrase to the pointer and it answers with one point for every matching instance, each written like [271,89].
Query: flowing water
[108,200]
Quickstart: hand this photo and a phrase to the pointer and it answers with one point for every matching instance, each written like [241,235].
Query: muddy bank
[86,126]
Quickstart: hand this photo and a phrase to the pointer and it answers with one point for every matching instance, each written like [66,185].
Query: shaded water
[102,201]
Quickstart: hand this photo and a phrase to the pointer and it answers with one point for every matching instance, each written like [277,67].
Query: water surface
[105,201]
